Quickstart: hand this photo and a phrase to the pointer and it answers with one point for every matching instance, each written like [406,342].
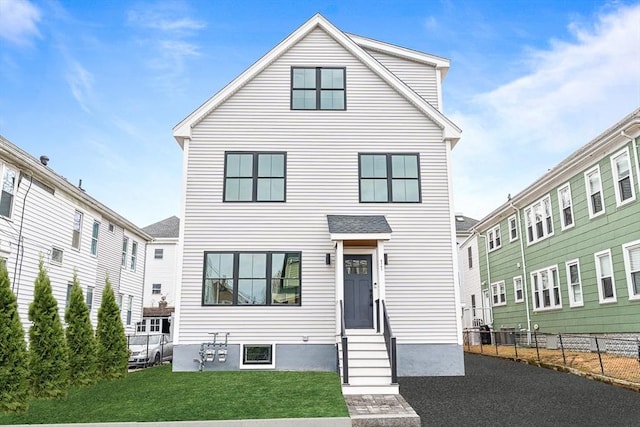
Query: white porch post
[339,272]
[381,282]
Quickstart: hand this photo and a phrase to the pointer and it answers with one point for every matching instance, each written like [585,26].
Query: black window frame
[255,176]
[236,276]
[318,89]
[389,178]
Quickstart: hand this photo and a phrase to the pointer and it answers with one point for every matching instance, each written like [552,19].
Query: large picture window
[254,177]
[389,178]
[251,278]
[318,88]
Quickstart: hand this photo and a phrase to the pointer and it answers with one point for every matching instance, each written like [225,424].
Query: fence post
[638,340]
[495,339]
[564,359]
[535,337]
[515,344]
[599,356]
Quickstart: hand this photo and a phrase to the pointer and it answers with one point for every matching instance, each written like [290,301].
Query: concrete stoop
[381,410]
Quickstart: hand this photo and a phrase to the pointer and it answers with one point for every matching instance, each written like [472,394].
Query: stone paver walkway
[381,410]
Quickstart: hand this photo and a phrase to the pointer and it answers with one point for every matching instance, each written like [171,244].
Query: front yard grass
[158,394]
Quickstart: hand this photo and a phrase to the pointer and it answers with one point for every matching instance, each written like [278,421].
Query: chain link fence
[612,357]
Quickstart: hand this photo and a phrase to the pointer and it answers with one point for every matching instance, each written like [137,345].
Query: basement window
[257,356]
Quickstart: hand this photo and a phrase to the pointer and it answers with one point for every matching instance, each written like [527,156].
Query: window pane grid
[318,89]
[389,177]
[255,177]
[265,278]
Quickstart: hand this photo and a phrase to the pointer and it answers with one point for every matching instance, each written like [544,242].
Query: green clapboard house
[564,254]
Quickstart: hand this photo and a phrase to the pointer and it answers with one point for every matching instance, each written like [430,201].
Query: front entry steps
[368,362]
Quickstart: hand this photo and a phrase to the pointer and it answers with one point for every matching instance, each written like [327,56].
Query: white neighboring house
[469,271]
[160,276]
[317,204]
[42,215]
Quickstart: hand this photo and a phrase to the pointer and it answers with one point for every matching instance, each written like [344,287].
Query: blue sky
[98,85]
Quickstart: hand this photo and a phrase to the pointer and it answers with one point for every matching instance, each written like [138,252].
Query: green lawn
[157,394]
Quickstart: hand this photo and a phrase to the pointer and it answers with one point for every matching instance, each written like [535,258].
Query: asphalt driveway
[499,392]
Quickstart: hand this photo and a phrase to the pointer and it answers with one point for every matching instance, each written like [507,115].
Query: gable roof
[464,223]
[169,227]
[451,132]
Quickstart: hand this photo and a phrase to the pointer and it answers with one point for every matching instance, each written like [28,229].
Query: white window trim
[572,302]
[515,289]
[513,217]
[596,258]
[496,233]
[529,213]
[271,365]
[552,286]
[619,201]
[79,230]
[588,192]
[496,287]
[563,226]
[53,261]
[3,170]
[627,267]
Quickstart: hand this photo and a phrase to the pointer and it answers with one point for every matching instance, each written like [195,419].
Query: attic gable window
[318,88]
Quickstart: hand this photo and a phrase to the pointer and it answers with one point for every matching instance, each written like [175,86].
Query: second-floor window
[470,257]
[494,240]
[94,238]
[513,228]
[594,192]
[77,230]
[539,220]
[125,248]
[318,88]
[389,178]
[566,206]
[134,255]
[255,177]
[623,179]
[158,253]
[8,191]
[156,289]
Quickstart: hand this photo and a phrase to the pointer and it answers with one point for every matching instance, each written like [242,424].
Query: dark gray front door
[358,292]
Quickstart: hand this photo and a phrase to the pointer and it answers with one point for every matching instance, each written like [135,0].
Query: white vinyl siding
[420,292]
[419,77]
[623,177]
[604,277]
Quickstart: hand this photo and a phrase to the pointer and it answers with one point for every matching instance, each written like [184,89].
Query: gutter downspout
[635,154]
[486,253]
[524,274]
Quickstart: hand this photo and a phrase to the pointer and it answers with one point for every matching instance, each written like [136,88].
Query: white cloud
[80,82]
[18,21]
[573,91]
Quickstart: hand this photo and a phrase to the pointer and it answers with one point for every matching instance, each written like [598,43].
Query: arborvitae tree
[14,389]
[113,354]
[48,363]
[81,341]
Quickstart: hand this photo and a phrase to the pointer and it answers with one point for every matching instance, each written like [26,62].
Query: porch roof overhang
[358,227]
